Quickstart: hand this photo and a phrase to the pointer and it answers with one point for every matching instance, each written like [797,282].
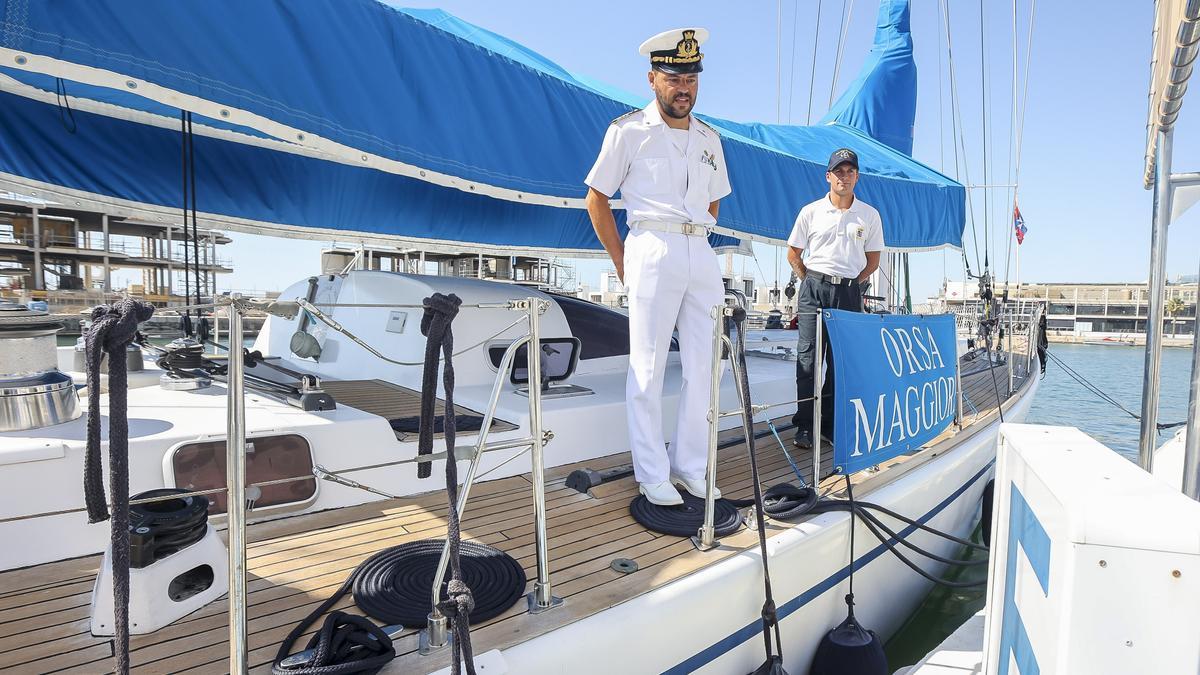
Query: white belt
[690,229]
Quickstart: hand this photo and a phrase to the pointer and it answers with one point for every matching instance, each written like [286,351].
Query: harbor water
[1118,372]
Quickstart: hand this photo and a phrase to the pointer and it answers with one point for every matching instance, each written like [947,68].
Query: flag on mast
[1018,224]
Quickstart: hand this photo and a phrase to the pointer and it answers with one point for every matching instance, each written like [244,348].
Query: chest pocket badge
[709,159]
[860,233]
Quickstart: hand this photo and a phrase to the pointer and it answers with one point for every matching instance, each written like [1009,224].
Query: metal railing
[436,634]
[541,598]
[705,538]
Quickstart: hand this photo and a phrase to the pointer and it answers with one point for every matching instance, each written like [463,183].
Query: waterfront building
[1079,308]
[72,256]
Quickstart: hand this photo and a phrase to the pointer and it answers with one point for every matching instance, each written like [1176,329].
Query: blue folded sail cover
[882,100]
[895,381]
[355,117]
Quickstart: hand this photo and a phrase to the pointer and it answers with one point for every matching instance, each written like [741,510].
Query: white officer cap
[676,51]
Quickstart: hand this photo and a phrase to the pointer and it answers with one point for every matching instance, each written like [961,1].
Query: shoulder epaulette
[628,114]
[708,126]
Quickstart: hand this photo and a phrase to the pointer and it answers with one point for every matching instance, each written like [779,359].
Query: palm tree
[1174,307]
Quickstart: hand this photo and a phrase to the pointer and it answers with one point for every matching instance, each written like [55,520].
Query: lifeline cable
[112,329]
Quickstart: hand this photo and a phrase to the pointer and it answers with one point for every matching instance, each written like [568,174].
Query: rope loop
[113,328]
[439,306]
[116,324]
[346,643]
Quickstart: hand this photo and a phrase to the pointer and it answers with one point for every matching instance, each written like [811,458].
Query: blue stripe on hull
[755,627]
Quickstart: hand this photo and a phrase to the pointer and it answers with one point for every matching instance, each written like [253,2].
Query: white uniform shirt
[837,241]
[659,180]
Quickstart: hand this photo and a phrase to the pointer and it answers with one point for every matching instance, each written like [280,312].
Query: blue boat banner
[896,384]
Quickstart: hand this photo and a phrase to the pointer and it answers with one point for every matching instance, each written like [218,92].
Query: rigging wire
[1012,128]
[837,64]
[963,172]
[792,66]
[778,59]
[1021,121]
[812,76]
[941,107]
[983,89]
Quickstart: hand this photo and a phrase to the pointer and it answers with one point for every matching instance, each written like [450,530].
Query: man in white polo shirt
[670,170]
[843,236]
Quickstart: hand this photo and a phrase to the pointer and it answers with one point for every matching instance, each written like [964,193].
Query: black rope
[850,593]
[346,643]
[195,232]
[322,662]
[786,501]
[440,311]
[64,106]
[685,519]
[869,520]
[1162,426]
[393,585]
[112,329]
[187,289]
[770,617]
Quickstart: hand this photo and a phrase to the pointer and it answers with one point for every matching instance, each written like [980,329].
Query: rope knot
[116,324]
[441,306]
[460,601]
[768,612]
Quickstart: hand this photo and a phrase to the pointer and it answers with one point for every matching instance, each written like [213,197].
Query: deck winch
[183,359]
[34,393]
[177,562]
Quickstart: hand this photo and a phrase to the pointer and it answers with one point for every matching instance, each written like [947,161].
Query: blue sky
[1080,183]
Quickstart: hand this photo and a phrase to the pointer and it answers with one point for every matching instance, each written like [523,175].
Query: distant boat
[1110,341]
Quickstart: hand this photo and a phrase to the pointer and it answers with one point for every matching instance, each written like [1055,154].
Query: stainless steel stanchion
[818,370]
[705,539]
[958,414]
[235,477]
[542,597]
[437,627]
[1160,225]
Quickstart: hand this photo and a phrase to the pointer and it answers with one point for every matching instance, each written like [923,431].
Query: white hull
[708,621]
[693,612]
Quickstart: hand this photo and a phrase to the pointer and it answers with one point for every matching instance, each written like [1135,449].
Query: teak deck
[296,562]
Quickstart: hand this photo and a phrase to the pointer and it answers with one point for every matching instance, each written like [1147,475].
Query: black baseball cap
[842,156]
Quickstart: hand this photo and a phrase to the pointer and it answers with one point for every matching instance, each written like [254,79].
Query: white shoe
[698,487]
[663,494]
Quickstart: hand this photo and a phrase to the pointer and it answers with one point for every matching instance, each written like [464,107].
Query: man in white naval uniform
[670,170]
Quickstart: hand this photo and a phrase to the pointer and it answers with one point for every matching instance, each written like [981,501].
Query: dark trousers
[812,296]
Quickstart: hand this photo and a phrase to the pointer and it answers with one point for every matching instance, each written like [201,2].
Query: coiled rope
[112,329]
[685,519]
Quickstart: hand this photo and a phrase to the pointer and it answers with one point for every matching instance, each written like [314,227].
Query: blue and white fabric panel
[312,87]
[896,384]
[141,163]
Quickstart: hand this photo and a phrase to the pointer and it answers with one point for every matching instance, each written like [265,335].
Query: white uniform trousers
[674,282]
